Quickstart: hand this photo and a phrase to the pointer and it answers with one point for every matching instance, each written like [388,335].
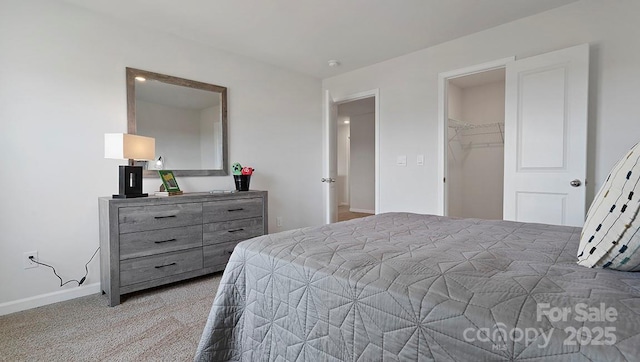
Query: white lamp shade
[125,146]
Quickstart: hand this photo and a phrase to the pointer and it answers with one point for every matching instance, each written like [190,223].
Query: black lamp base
[131,196]
[130,183]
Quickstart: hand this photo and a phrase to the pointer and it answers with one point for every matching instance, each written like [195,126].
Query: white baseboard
[49,298]
[362,211]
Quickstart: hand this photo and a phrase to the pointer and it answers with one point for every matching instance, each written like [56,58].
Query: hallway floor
[344,213]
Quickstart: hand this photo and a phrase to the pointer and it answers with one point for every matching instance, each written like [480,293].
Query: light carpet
[161,324]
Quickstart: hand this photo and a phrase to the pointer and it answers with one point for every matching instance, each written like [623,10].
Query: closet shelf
[476,135]
[459,125]
[454,123]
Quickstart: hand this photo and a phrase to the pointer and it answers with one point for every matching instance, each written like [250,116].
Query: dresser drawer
[145,243]
[221,232]
[231,210]
[218,254]
[157,266]
[143,218]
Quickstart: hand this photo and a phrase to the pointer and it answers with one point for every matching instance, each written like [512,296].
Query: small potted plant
[242,176]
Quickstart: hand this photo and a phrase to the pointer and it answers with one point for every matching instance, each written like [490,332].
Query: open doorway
[355,182]
[329,150]
[475,145]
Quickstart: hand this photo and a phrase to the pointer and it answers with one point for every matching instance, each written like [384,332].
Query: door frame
[354,97]
[443,117]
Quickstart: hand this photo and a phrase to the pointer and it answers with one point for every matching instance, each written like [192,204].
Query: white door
[330,167]
[546,137]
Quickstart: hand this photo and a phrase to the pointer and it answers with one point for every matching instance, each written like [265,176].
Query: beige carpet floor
[162,324]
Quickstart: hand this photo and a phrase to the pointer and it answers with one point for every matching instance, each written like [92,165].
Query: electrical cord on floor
[86,268]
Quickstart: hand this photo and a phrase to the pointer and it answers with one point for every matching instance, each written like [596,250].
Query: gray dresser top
[186,197]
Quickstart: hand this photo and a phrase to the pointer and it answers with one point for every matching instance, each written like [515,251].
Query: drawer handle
[235,231]
[165,241]
[163,217]
[232,210]
[162,266]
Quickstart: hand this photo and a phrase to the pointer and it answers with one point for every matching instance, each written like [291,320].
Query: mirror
[187,118]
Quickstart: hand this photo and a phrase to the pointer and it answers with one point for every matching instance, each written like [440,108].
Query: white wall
[455,154]
[342,184]
[482,173]
[454,102]
[62,86]
[362,163]
[409,92]
[483,103]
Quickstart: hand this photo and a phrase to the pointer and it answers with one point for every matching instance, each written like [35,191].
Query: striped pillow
[611,235]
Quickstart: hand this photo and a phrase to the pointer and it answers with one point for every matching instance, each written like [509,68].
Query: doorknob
[575,183]
[328,179]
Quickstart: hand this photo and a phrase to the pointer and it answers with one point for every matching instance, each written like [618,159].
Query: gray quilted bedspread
[409,287]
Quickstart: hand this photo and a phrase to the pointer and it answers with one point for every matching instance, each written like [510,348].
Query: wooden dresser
[151,241]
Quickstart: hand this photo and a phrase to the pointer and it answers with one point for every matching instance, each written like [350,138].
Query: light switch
[420,160]
[402,160]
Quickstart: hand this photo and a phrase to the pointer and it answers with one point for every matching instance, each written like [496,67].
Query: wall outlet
[26,262]
[279,221]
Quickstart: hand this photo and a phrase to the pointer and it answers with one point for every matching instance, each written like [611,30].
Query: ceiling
[302,35]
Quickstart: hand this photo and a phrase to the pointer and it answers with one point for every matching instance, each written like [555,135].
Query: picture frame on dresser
[168,181]
[145,243]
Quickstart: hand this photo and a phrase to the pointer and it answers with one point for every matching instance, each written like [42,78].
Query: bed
[411,287]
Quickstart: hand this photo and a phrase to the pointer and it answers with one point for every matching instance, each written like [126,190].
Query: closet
[475,135]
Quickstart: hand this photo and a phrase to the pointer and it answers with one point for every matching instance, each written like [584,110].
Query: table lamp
[132,147]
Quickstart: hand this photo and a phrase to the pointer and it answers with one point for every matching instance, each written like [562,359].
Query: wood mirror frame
[132,73]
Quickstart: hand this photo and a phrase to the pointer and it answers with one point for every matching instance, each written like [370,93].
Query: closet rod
[463,126]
